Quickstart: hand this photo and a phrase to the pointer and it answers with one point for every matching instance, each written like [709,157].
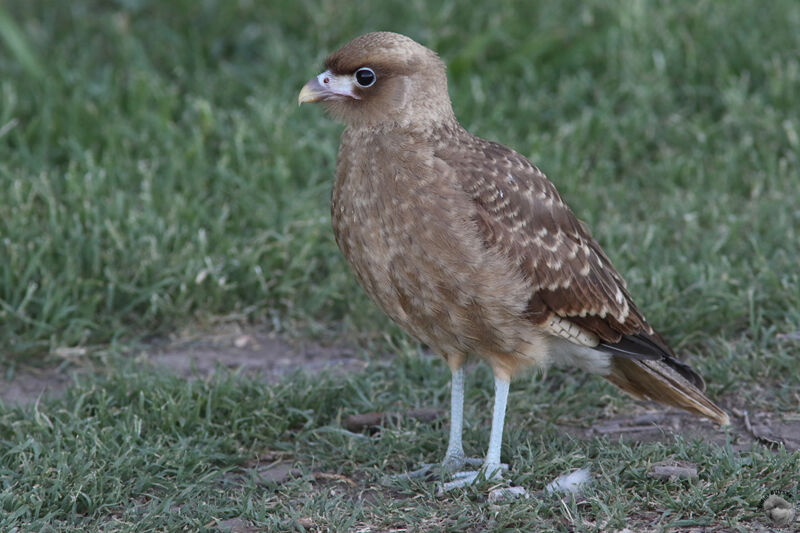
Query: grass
[141,451]
[156,173]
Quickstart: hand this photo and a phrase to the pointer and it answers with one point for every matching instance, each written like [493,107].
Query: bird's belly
[435,279]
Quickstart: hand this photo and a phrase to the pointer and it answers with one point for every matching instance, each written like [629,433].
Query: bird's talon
[461,480]
[470,477]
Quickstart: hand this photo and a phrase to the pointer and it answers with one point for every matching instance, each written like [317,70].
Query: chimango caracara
[468,246]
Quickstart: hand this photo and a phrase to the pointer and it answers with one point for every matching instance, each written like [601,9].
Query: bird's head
[382,79]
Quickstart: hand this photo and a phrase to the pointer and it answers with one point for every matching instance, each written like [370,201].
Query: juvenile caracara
[468,246]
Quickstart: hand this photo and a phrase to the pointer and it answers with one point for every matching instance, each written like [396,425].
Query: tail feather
[660,382]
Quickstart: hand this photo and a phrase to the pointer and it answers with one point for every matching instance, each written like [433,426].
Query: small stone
[779,511]
[505,494]
[306,522]
[243,341]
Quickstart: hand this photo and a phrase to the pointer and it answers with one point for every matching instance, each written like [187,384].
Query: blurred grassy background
[155,172]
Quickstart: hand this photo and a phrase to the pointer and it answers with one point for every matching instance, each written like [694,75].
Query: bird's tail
[664,383]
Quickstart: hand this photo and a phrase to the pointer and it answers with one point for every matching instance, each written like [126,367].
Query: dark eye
[365,77]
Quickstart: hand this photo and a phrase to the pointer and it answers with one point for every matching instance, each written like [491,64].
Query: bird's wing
[575,292]
[520,213]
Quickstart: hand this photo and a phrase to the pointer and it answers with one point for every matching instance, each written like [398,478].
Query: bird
[471,250]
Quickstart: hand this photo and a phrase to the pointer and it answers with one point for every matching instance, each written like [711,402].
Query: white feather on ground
[572,483]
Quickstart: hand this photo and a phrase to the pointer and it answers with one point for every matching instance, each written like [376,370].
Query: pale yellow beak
[327,86]
[311,92]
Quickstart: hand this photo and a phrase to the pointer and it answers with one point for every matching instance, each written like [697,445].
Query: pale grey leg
[454,458]
[492,468]
[498,419]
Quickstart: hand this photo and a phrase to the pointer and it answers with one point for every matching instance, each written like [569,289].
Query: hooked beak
[327,86]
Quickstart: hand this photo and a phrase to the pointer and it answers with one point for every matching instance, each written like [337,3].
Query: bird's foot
[573,484]
[448,467]
[465,479]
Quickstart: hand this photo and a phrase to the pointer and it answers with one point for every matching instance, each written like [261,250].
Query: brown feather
[521,213]
[656,380]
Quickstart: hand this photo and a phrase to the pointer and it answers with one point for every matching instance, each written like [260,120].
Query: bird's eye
[365,77]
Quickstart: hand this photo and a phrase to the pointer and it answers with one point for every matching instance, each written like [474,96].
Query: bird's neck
[420,127]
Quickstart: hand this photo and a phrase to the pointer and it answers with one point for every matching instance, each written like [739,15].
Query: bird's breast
[408,232]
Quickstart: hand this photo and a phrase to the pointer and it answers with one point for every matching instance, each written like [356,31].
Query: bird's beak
[327,86]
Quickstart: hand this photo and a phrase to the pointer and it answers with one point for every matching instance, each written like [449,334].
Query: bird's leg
[454,458]
[492,468]
[455,449]
[492,464]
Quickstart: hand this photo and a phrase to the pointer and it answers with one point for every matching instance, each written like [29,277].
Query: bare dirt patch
[198,355]
[30,384]
[252,352]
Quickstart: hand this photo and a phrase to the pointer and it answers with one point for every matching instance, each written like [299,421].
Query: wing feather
[520,212]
